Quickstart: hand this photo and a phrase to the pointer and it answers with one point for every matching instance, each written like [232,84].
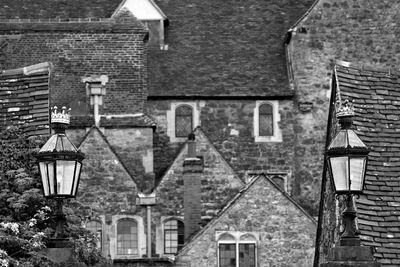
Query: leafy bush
[26,216]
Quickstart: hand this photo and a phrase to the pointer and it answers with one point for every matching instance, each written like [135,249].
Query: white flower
[15,228]
[32,222]
[4,263]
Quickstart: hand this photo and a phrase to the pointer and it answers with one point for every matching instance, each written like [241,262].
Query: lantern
[60,163]
[347,155]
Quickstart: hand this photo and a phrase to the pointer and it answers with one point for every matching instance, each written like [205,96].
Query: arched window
[266,120]
[174,236]
[183,120]
[237,252]
[95,227]
[127,237]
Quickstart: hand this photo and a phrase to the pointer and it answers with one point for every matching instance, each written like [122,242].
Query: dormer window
[150,15]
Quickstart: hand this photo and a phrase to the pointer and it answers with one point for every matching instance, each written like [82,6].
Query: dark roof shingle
[376,95]
[50,9]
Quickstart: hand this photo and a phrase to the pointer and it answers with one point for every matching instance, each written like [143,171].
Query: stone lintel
[192,165]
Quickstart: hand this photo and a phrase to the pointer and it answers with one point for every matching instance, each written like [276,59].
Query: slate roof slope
[24,98]
[224,48]
[376,95]
[51,9]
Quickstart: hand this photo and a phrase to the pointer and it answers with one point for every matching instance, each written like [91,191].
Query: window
[236,249]
[95,227]
[174,236]
[183,120]
[266,120]
[127,237]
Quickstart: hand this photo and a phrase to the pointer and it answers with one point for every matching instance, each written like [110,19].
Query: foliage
[25,215]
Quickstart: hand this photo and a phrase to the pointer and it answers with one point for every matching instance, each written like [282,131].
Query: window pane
[247,255]
[127,239]
[357,172]
[266,127]
[173,236]
[183,121]
[227,255]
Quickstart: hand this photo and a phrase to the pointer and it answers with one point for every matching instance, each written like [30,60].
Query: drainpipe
[147,200]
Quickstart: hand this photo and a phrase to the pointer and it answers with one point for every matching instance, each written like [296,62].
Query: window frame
[130,240]
[236,239]
[269,114]
[277,132]
[180,234]
[185,116]
[196,108]
[112,252]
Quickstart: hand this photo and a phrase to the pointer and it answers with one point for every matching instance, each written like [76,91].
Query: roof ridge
[364,67]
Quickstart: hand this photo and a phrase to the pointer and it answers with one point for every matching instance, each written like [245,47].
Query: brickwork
[357,31]
[121,55]
[286,233]
[192,176]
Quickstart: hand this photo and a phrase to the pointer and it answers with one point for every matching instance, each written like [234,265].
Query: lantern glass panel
[76,178]
[340,171]
[340,140]
[44,177]
[354,140]
[357,166]
[50,173]
[65,176]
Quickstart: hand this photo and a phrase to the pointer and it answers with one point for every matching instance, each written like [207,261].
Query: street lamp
[347,159]
[60,165]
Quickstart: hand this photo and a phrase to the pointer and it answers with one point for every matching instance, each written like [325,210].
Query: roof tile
[376,96]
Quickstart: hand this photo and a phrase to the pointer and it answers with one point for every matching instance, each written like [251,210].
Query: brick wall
[79,50]
[364,32]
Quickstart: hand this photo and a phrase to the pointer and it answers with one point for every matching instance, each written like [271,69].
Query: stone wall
[229,126]
[286,233]
[80,50]
[357,31]
[364,32]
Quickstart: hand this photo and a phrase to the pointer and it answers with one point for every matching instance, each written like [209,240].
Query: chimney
[192,173]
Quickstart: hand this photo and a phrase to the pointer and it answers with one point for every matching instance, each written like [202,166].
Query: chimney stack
[192,173]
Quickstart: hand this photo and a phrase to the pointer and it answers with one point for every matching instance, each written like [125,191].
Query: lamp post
[60,165]
[347,159]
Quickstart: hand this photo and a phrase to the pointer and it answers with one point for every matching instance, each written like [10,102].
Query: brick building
[139,77]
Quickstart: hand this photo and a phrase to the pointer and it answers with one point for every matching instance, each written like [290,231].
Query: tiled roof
[224,48]
[376,95]
[50,9]
[114,121]
[24,98]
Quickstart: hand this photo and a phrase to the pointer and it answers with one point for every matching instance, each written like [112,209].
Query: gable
[105,185]
[219,182]
[285,232]
[142,9]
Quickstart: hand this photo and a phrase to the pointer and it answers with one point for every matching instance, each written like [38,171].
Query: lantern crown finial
[61,117]
[344,108]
